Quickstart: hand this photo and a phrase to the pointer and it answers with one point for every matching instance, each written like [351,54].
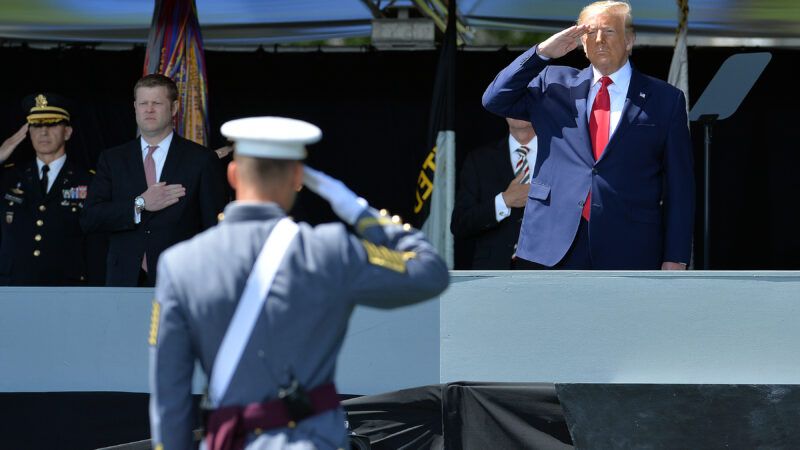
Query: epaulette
[388,258]
[7,165]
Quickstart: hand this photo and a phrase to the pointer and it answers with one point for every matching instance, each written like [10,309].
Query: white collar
[163,145]
[54,167]
[621,78]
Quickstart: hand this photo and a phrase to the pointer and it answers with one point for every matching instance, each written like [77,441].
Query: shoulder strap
[249,308]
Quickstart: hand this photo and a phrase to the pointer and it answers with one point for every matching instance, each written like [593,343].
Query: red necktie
[599,127]
[150,176]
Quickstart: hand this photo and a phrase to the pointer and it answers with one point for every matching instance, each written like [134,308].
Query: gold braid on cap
[42,113]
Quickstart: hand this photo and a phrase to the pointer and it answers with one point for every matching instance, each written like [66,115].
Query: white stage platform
[619,327]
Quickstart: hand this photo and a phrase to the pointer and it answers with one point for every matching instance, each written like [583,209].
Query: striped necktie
[521,167]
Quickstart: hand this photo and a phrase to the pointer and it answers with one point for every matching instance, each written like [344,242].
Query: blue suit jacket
[642,186]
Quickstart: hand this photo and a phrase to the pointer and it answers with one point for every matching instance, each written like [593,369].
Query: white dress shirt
[617,91]
[159,156]
[55,168]
[501,210]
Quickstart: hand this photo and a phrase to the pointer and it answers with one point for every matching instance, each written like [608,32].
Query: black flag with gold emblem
[435,187]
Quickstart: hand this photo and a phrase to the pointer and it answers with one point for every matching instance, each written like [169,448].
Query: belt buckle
[296,400]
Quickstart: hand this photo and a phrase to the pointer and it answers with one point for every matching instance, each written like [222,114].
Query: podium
[734,79]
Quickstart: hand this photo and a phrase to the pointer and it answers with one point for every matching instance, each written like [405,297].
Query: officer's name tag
[13,198]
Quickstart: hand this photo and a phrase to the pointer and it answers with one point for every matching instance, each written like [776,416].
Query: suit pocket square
[539,191]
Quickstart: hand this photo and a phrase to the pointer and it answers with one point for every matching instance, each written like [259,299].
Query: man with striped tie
[494,185]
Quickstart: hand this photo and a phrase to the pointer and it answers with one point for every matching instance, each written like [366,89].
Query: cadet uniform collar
[240,211]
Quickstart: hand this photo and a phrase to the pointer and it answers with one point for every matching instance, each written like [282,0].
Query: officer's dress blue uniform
[325,273]
[41,242]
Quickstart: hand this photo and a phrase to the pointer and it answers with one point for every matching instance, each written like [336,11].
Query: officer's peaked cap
[271,137]
[45,108]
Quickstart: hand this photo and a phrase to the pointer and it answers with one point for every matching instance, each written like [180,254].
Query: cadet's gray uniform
[325,272]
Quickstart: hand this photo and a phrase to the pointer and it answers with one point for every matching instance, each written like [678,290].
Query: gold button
[36,252]
[407,227]
[220,217]
[396,219]
[42,208]
[37,238]
[384,212]
[258,431]
[40,223]
[291,424]
[74,209]
[10,203]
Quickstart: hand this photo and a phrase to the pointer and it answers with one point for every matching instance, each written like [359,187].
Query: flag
[175,49]
[435,189]
[679,67]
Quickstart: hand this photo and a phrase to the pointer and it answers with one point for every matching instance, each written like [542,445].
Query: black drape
[373,109]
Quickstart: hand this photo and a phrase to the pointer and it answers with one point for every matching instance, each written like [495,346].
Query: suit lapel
[505,169]
[579,93]
[637,96]
[172,163]
[135,163]
[63,178]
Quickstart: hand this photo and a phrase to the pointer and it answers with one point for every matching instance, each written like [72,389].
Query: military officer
[263,302]
[41,242]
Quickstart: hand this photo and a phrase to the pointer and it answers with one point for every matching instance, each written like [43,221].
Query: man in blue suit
[613,184]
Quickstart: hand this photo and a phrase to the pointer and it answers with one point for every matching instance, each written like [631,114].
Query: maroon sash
[228,427]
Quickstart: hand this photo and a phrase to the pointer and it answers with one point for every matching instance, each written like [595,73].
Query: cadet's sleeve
[391,264]
[171,367]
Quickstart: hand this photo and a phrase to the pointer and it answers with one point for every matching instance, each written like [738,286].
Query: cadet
[41,242]
[263,302]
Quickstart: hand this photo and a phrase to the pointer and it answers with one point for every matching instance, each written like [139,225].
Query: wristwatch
[138,203]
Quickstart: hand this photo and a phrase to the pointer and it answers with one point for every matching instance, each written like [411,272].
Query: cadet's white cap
[271,137]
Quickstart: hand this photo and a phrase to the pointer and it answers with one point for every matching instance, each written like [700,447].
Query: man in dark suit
[492,193]
[154,191]
[613,186]
[41,243]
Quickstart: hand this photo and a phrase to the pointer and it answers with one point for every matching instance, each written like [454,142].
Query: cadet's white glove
[345,203]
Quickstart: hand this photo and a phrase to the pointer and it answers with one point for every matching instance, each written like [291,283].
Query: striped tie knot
[521,167]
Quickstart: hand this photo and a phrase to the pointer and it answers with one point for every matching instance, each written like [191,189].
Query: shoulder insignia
[8,165]
[155,316]
[370,221]
[385,257]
